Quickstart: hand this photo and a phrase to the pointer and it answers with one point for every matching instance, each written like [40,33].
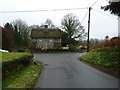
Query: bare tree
[71,25]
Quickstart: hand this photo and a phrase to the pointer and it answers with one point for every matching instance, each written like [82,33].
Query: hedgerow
[15,63]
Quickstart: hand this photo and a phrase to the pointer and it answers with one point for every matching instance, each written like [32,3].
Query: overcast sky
[101,24]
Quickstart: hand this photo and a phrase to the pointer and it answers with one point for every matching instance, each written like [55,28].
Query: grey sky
[101,25]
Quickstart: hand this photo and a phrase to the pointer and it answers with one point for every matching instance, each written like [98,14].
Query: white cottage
[45,38]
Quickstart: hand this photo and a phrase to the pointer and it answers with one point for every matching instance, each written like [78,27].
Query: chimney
[46,26]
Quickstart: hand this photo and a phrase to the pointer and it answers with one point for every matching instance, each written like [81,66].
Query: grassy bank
[24,78]
[105,59]
[103,56]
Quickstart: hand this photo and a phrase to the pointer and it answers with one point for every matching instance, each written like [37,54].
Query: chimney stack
[46,26]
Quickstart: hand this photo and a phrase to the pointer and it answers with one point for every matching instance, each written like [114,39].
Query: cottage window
[51,45]
[40,40]
[50,40]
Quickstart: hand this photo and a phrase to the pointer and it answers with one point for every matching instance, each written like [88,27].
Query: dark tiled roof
[46,33]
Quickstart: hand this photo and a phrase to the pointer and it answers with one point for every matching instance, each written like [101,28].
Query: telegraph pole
[88,30]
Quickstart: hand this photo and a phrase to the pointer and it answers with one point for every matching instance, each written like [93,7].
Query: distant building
[45,38]
[82,47]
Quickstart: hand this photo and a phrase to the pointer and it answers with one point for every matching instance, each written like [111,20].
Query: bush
[72,47]
[112,43]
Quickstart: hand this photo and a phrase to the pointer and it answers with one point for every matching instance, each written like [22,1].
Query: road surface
[64,70]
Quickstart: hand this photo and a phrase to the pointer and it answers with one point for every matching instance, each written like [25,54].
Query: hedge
[12,66]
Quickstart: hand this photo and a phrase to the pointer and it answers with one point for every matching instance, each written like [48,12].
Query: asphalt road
[64,70]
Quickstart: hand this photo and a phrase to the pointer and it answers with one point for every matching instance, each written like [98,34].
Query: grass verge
[25,78]
[105,59]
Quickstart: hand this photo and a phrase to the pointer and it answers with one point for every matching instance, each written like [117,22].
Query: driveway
[64,70]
